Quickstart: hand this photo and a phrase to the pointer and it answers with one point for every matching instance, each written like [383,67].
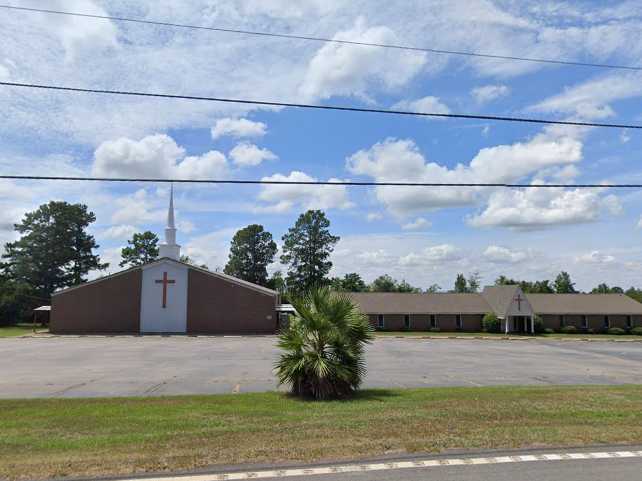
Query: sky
[422,235]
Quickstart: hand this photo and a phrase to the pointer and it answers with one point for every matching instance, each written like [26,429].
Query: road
[616,463]
[156,365]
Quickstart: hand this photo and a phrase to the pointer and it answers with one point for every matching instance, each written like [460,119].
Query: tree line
[55,250]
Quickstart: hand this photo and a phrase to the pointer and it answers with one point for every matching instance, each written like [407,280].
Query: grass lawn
[18,330]
[92,437]
[554,335]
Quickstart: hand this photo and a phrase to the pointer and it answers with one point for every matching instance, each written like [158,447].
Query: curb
[509,338]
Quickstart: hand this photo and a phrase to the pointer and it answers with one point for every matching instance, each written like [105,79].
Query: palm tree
[324,345]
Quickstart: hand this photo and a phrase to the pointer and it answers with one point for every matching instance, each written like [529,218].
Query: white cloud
[339,69]
[120,232]
[538,208]
[401,160]
[372,216]
[138,208]
[379,257]
[595,257]
[504,255]
[210,249]
[155,156]
[185,226]
[426,104]
[283,198]
[81,36]
[212,164]
[4,72]
[418,223]
[246,154]
[591,99]
[640,223]
[488,93]
[624,136]
[432,255]
[238,128]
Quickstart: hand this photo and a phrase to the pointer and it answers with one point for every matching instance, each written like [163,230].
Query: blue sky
[424,236]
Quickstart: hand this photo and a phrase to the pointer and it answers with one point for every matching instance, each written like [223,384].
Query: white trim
[96,281]
[219,275]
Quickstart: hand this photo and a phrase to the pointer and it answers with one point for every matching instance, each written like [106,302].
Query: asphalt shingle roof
[494,300]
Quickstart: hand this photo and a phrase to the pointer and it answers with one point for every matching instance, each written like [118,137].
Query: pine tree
[563,284]
[306,249]
[251,252]
[142,249]
[54,250]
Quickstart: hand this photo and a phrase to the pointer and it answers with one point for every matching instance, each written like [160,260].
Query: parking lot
[158,365]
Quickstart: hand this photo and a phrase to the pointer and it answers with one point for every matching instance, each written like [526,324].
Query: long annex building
[515,310]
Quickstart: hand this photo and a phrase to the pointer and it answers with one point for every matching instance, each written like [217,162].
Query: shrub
[324,345]
[637,331]
[538,325]
[490,323]
[548,330]
[435,329]
[568,330]
[616,331]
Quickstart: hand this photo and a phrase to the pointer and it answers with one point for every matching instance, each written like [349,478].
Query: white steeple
[169,248]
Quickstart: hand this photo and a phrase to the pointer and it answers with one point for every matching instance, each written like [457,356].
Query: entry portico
[511,307]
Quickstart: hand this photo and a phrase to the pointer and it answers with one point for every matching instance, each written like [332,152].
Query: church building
[165,296]
[515,310]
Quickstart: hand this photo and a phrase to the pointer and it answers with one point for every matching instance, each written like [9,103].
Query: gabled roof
[411,303]
[219,275]
[495,299]
[500,297]
[584,304]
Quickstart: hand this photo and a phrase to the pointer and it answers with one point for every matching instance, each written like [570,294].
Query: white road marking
[417,464]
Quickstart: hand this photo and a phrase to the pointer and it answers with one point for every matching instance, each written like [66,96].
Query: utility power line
[322,107]
[320,182]
[328,40]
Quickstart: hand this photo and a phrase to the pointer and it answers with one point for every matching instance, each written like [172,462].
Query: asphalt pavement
[612,463]
[67,366]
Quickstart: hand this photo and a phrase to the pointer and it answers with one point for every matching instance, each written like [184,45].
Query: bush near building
[616,330]
[491,323]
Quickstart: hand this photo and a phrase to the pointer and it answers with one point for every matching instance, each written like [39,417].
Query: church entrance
[520,324]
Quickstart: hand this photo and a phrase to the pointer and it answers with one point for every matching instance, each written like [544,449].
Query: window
[458,322]
[629,322]
[607,323]
[406,321]
[433,321]
[584,322]
[562,320]
[380,321]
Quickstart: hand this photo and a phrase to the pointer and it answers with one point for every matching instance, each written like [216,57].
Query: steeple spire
[170,212]
[169,248]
